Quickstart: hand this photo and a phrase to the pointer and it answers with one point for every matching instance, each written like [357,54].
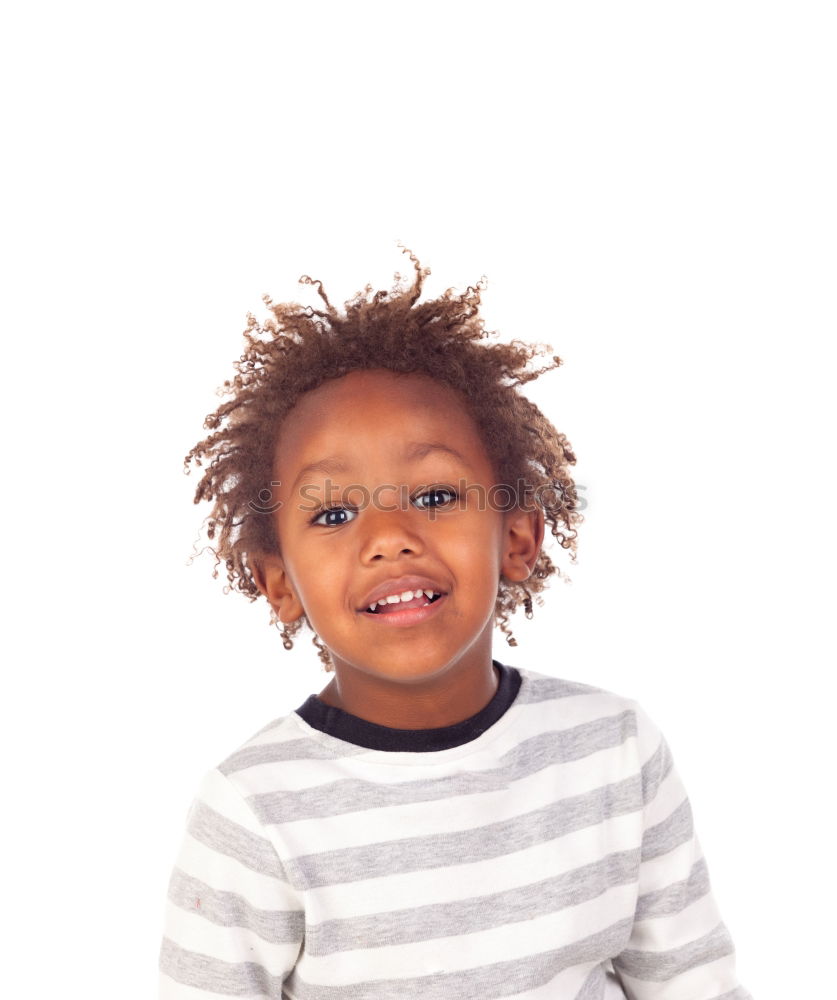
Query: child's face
[383,526]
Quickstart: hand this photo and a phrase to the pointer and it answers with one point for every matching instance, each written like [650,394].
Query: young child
[434,823]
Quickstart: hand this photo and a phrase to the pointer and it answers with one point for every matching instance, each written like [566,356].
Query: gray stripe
[442,850]
[477,913]
[304,748]
[739,993]
[675,897]
[534,689]
[661,966]
[233,979]
[594,984]
[655,770]
[673,831]
[233,840]
[229,909]
[352,795]
[500,979]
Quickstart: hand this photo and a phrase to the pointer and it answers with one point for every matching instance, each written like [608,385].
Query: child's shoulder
[569,702]
[281,739]
[538,686]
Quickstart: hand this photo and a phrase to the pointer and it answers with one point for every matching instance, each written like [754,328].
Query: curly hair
[299,347]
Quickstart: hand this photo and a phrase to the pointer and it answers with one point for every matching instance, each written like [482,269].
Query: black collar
[352,729]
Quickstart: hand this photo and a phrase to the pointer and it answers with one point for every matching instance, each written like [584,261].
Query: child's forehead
[378,405]
[362,393]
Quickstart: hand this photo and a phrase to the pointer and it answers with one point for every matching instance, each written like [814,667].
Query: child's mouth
[407,612]
[415,602]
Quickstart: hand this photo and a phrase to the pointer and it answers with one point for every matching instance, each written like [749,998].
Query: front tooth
[428,594]
[408,595]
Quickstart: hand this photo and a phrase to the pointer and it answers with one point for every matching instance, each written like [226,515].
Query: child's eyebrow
[413,451]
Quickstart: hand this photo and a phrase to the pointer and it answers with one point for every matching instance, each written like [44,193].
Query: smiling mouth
[415,603]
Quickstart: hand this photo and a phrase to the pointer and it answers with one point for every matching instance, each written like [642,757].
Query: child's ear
[273,580]
[522,542]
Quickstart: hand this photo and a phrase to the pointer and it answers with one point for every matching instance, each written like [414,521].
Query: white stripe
[170,990]
[660,872]
[195,933]
[220,793]
[663,933]
[457,813]
[468,951]
[565,984]
[445,885]
[669,796]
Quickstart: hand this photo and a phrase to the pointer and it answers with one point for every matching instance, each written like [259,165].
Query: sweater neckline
[343,725]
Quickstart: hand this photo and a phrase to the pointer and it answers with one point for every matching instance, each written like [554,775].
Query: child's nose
[389,531]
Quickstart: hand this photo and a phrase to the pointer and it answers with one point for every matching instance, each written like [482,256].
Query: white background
[649,188]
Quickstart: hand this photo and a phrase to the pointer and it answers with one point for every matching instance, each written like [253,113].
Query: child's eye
[438,497]
[318,518]
[334,517]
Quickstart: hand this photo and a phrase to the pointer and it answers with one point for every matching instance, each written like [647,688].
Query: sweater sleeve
[679,948]
[234,925]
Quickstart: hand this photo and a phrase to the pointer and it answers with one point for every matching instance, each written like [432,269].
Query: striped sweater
[542,849]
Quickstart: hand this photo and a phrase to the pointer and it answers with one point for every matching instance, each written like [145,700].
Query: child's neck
[444,700]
